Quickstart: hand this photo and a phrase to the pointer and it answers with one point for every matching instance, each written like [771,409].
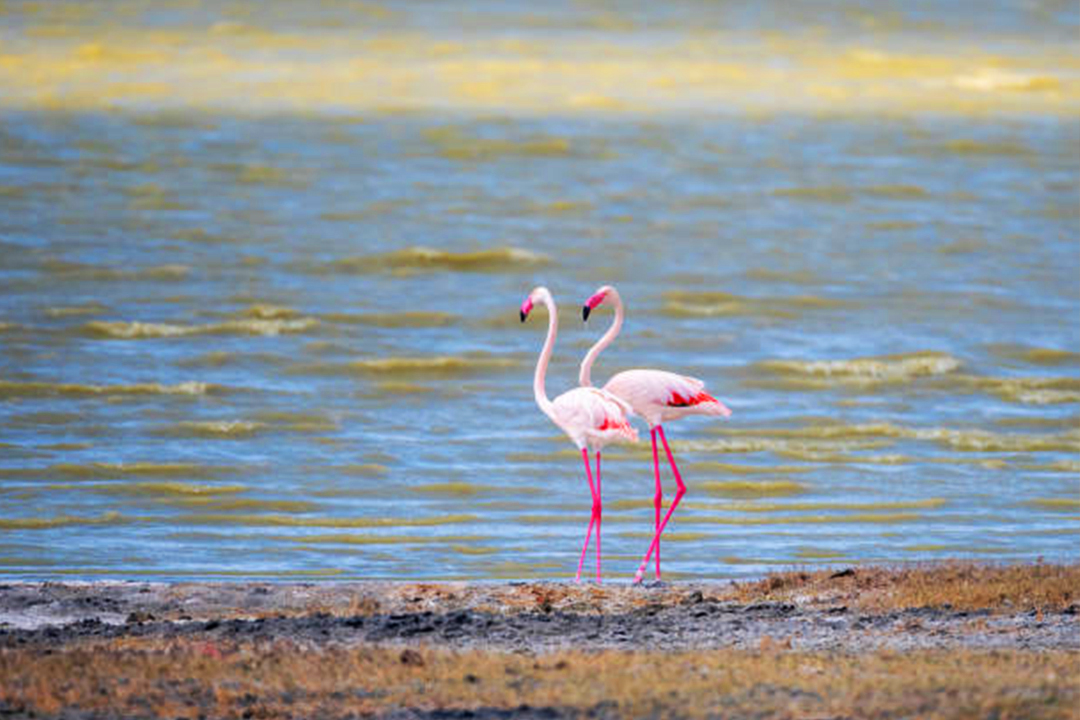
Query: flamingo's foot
[638,576]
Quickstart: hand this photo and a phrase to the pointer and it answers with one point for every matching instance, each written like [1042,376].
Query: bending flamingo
[592,418]
[655,395]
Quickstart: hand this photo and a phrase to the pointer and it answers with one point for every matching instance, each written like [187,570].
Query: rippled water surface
[261,272]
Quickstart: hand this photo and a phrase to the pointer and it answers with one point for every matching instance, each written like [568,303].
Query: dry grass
[961,585]
[189,678]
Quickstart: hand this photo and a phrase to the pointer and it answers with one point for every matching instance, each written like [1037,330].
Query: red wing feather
[677,400]
[610,424]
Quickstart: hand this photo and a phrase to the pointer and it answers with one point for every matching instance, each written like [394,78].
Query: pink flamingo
[656,396]
[592,418]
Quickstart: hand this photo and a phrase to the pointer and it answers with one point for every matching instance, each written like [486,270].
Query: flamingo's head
[534,297]
[595,300]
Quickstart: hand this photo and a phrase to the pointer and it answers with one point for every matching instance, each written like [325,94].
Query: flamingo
[655,395]
[591,417]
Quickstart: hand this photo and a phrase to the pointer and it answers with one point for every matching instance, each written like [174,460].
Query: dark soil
[659,618]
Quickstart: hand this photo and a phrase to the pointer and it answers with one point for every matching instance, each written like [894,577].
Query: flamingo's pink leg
[674,504]
[592,518]
[658,499]
[598,510]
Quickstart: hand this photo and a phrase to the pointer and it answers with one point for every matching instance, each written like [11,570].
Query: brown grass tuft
[961,585]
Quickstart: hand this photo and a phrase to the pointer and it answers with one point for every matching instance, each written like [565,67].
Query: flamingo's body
[657,396]
[591,417]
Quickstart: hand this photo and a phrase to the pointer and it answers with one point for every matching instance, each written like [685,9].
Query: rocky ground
[997,639]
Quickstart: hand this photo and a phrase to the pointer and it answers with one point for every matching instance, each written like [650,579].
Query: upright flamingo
[656,396]
[592,418]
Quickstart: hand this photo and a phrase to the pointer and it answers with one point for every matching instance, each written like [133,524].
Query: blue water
[279,342]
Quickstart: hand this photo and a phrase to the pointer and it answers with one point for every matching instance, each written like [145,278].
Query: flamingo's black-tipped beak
[585,310]
[523,315]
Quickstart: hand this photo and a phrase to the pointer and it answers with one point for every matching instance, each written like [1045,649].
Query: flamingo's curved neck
[545,357]
[585,374]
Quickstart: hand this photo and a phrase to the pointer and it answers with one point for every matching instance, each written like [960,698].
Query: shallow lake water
[261,273]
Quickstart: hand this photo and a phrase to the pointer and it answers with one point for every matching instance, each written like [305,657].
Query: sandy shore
[455,635]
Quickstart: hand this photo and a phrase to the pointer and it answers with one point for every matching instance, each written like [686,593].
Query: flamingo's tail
[712,406]
[622,430]
[702,403]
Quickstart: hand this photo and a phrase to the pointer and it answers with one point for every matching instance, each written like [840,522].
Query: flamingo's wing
[657,394]
[654,387]
[591,413]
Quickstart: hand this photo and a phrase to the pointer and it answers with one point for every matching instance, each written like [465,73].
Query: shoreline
[859,607]
[790,644]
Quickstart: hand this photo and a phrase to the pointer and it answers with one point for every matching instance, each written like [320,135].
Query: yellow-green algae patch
[412,319]
[1040,421]
[313,572]
[896,192]
[452,143]
[822,193]
[433,366]
[964,146]
[104,471]
[355,539]
[362,469]
[691,303]
[76,310]
[795,449]
[237,429]
[16,389]
[473,550]
[940,548]
[818,428]
[226,429]
[255,309]
[758,507]
[1036,355]
[514,570]
[1066,466]
[464,489]
[1058,504]
[572,514]
[934,368]
[859,518]
[42,523]
[68,270]
[817,441]
[856,372]
[1024,390]
[230,504]
[81,64]
[745,489]
[166,489]
[613,454]
[354,522]
[401,387]
[713,466]
[891,225]
[816,554]
[424,259]
[294,421]
[134,330]
[670,535]
[635,503]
